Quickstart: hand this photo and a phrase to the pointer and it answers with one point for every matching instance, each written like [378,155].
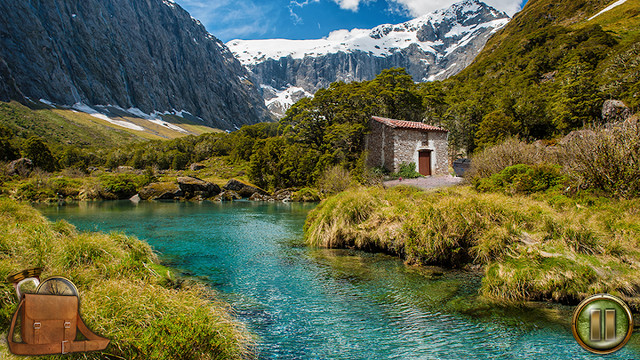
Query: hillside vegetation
[546,73]
[68,127]
[125,294]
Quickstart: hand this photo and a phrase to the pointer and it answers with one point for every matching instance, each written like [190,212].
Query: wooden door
[424,163]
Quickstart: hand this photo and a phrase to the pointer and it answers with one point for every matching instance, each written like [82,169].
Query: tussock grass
[125,294]
[531,249]
[603,159]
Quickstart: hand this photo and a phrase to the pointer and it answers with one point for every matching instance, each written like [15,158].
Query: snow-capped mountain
[431,47]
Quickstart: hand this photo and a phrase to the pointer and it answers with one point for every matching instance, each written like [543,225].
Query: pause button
[602,323]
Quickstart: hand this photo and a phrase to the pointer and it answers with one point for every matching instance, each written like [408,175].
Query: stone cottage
[391,142]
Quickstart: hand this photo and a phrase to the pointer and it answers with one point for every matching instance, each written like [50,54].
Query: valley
[176,174]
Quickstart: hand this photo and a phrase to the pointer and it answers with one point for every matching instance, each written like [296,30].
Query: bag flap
[50,307]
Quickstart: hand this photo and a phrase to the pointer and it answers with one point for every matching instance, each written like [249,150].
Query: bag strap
[93,342]
[12,344]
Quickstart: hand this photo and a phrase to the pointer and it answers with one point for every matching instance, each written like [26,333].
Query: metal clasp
[37,325]
[67,325]
[64,352]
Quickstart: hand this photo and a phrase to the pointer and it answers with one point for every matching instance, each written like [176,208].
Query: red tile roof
[402,124]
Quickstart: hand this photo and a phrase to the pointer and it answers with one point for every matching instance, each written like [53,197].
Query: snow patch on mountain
[106,110]
[279,101]
[615,4]
[91,111]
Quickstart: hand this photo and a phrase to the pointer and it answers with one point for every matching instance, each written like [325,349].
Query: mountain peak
[432,33]
[431,47]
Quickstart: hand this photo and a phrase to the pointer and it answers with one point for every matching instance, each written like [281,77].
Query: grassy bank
[74,185]
[125,294]
[545,248]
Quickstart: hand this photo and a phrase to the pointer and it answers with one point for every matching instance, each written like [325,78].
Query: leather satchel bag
[49,325]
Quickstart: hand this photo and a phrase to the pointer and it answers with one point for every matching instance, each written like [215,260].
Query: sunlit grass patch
[531,249]
[125,294]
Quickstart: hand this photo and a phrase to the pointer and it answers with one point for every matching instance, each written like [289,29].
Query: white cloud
[297,20]
[421,7]
[349,4]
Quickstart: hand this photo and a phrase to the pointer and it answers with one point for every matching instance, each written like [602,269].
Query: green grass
[67,127]
[62,126]
[125,294]
[622,20]
[531,248]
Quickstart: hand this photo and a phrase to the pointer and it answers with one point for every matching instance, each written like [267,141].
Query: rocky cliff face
[145,55]
[432,47]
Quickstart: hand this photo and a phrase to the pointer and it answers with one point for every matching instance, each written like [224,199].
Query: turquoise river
[306,303]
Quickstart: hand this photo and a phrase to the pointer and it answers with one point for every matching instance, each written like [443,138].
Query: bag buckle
[64,352]
[37,325]
[67,325]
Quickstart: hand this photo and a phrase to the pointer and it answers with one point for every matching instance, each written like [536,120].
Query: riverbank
[216,179]
[530,248]
[126,295]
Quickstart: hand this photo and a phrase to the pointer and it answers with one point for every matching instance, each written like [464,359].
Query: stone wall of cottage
[408,143]
[389,147]
[438,141]
[379,145]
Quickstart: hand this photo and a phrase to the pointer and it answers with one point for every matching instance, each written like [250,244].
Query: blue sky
[310,19]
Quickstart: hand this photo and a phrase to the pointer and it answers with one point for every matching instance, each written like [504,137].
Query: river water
[307,303]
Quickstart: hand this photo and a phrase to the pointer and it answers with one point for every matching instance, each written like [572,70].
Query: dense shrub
[407,171]
[122,186]
[606,158]
[306,195]
[521,178]
[38,151]
[334,180]
[508,153]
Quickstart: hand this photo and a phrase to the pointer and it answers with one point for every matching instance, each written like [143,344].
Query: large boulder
[22,167]
[243,189]
[614,111]
[196,167]
[194,187]
[161,191]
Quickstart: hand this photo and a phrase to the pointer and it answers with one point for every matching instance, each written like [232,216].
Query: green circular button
[602,323]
